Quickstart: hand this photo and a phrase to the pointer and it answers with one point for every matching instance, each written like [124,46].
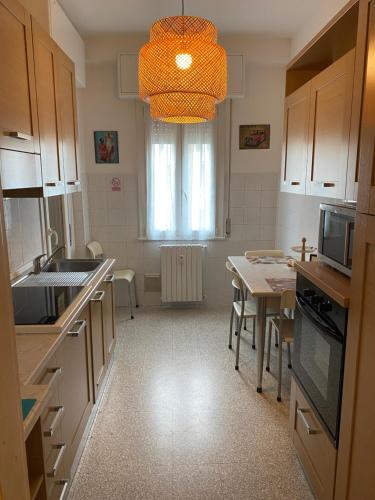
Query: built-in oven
[336,236]
[319,353]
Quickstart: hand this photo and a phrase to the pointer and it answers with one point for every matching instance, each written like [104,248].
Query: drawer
[315,450]
[59,489]
[54,465]
[51,420]
[51,373]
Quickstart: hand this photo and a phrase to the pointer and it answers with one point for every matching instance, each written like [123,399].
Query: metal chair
[285,328]
[242,308]
[96,251]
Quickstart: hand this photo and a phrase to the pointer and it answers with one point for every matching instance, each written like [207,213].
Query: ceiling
[269,17]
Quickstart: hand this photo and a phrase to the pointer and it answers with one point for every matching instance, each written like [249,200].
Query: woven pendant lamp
[182,70]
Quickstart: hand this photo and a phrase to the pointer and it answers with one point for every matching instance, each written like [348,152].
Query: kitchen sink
[72,265]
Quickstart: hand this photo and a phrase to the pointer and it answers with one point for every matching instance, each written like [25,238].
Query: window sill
[218,238]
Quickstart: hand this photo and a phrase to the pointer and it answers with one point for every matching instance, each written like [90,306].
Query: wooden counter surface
[332,282]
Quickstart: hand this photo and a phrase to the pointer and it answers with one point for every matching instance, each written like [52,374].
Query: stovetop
[42,305]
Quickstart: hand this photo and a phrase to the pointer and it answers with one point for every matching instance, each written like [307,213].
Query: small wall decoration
[116,184]
[106,147]
[255,136]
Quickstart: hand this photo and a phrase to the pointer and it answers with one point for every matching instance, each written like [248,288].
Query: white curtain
[162,178]
[183,177]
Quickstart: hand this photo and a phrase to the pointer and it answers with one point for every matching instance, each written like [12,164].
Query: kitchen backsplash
[23,224]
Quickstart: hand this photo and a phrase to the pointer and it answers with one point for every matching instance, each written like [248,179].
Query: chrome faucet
[38,267]
[52,256]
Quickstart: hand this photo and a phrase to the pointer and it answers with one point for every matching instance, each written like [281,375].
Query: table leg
[261,337]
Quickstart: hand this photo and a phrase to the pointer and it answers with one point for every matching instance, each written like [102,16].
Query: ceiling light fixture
[182,70]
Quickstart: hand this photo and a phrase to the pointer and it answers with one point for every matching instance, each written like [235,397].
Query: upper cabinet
[68,116]
[18,113]
[46,70]
[324,85]
[37,109]
[296,132]
[330,113]
[366,190]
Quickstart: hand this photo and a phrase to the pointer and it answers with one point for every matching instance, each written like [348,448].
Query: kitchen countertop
[332,282]
[36,344]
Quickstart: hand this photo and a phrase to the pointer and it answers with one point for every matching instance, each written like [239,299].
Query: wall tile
[97,200]
[116,200]
[252,198]
[268,216]
[237,215]
[253,182]
[99,217]
[237,198]
[267,232]
[269,198]
[238,182]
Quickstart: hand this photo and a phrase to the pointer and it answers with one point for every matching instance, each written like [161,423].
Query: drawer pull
[59,410]
[54,183]
[61,447]
[295,183]
[328,184]
[65,484]
[73,183]
[56,372]
[80,326]
[109,278]
[98,297]
[20,135]
[301,412]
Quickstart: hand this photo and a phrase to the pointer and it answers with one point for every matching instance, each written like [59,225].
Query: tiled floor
[177,421]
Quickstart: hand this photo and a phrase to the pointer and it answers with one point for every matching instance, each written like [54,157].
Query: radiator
[181,273]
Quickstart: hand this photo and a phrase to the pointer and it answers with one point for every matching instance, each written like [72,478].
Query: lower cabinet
[76,385]
[75,374]
[315,451]
[98,350]
[108,317]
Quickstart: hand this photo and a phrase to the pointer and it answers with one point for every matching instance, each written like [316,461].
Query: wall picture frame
[106,146]
[255,136]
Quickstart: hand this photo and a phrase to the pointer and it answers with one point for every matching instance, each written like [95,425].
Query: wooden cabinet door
[366,188]
[295,147]
[109,317]
[329,131]
[76,385]
[98,344]
[45,52]
[68,120]
[18,116]
[355,471]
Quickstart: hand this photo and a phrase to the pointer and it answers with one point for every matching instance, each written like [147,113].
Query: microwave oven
[336,236]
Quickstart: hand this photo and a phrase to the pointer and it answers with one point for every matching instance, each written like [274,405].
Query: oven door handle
[317,320]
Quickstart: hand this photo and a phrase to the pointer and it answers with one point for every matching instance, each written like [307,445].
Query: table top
[255,274]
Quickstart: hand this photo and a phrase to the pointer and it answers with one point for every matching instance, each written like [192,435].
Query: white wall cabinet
[128,75]
[317,128]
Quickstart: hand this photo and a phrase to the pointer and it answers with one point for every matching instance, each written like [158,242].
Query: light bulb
[184,60]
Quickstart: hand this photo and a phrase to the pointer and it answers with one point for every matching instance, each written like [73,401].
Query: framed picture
[106,147]
[255,136]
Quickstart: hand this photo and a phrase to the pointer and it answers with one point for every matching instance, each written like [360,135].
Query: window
[181,181]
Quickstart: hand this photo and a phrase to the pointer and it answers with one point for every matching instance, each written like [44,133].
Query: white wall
[323,14]
[68,38]
[254,183]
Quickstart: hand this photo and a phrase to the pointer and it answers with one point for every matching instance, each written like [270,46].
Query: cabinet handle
[77,332]
[98,297]
[328,184]
[73,183]
[61,482]
[20,135]
[62,448]
[301,412]
[109,278]
[53,183]
[295,183]
[59,413]
[56,374]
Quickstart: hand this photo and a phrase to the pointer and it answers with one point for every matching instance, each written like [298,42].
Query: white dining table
[254,273]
